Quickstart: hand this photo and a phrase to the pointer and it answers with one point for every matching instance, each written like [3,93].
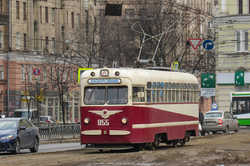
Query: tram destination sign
[104,81]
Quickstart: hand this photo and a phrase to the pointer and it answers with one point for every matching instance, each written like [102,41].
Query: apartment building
[233,61]
[36,29]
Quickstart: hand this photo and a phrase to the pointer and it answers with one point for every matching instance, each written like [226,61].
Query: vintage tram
[138,107]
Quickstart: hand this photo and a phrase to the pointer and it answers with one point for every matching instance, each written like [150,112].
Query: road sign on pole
[195,43]
[239,78]
[208,44]
[208,84]
[207,80]
[175,66]
[36,71]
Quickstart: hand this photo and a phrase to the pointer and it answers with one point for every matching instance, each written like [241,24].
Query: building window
[216,2]
[46,42]
[30,72]
[46,14]
[223,5]
[1,72]
[72,20]
[249,6]
[1,6]
[17,10]
[44,74]
[25,41]
[23,72]
[53,15]
[41,14]
[1,39]
[101,12]
[79,19]
[24,11]
[129,13]
[18,40]
[241,41]
[67,18]
[53,44]
[240,7]
[113,10]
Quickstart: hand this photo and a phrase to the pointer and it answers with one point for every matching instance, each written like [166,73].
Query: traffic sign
[208,80]
[195,43]
[208,44]
[207,92]
[214,107]
[36,71]
[239,78]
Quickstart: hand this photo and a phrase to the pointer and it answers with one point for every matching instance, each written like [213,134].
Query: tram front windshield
[100,95]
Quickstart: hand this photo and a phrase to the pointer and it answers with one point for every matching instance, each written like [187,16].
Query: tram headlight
[92,74]
[124,121]
[86,120]
[117,73]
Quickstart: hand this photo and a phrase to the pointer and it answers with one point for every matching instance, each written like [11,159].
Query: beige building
[36,29]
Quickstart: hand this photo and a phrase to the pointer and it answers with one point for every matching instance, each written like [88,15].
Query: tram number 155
[103,122]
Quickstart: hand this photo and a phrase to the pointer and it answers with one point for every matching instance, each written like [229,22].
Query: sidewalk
[59,141]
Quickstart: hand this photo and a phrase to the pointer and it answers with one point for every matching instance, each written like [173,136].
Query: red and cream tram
[138,107]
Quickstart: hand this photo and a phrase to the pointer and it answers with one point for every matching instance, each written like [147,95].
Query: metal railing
[59,131]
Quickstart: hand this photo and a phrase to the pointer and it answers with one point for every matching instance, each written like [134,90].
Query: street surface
[219,149]
[56,147]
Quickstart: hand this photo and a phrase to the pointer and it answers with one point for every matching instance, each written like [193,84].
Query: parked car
[215,121]
[25,113]
[17,134]
[46,119]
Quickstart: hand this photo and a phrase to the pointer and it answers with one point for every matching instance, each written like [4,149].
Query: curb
[60,141]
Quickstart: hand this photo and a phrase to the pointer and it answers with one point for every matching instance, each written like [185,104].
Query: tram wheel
[174,143]
[157,141]
[182,142]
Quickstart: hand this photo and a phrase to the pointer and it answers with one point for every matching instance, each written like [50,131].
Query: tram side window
[138,94]
[174,94]
[148,96]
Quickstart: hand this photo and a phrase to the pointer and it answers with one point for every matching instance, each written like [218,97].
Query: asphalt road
[56,147]
[43,148]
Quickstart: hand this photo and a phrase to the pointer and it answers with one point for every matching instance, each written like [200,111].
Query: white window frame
[242,47]
[223,5]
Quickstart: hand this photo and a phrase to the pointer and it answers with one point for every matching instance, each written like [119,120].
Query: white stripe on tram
[152,125]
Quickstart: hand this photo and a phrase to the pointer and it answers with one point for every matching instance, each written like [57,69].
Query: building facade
[233,61]
[36,29]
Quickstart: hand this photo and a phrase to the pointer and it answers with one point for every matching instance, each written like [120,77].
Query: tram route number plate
[103,122]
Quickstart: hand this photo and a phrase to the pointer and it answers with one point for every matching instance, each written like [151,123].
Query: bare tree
[33,89]
[62,78]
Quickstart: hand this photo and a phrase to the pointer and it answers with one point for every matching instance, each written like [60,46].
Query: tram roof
[138,75]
